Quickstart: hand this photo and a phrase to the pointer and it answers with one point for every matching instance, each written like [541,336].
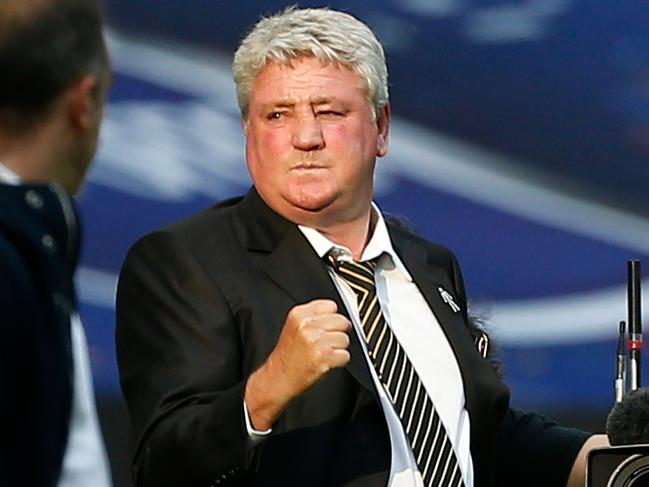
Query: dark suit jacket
[36,300]
[200,306]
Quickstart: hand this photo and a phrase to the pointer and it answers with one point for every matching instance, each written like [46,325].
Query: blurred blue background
[520,140]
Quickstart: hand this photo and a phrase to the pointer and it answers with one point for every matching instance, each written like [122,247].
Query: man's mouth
[308,167]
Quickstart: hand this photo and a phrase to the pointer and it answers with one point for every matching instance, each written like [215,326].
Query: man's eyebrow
[324,100]
[282,103]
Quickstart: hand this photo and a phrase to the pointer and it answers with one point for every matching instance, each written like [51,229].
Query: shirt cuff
[253,434]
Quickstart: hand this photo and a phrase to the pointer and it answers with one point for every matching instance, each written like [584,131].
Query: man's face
[311,141]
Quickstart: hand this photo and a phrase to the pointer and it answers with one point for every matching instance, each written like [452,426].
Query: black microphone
[628,421]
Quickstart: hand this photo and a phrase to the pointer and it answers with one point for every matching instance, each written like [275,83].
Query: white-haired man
[296,337]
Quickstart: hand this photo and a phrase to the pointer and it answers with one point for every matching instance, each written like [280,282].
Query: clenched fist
[314,340]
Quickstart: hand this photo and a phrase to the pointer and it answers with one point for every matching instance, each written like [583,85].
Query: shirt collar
[7,176]
[379,246]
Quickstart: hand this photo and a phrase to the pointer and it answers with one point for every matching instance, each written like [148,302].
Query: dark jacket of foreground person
[38,254]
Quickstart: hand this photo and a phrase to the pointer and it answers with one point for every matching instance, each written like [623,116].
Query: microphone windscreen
[628,422]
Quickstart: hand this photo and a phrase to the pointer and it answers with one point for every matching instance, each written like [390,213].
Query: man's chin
[314,201]
[306,209]
[312,207]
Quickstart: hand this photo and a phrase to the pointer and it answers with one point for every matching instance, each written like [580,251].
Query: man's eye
[275,115]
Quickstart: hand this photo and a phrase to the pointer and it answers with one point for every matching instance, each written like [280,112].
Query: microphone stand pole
[634,324]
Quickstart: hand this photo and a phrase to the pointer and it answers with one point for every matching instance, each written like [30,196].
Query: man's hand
[577,476]
[314,340]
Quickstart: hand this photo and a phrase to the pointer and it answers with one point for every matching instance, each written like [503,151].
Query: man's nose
[307,133]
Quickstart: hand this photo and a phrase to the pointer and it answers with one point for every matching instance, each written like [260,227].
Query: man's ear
[383,123]
[82,102]
[245,124]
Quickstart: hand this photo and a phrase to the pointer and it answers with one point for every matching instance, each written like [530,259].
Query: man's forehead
[301,62]
[290,101]
[307,74]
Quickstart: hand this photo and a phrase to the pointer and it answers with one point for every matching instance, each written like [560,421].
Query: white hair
[327,35]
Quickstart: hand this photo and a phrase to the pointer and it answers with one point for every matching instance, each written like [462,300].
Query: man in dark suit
[54,78]
[295,336]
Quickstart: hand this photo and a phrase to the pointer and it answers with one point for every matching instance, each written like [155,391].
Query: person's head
[54,78]
[313,93]
[327,35]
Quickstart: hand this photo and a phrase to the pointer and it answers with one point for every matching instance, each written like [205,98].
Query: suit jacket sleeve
[534,451]
[178,349]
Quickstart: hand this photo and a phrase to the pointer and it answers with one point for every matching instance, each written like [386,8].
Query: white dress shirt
[85,462]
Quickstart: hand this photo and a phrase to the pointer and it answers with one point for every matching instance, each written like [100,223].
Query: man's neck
[35,157]
[352,235]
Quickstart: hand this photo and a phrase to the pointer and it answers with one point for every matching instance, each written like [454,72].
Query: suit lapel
[293,265]
[430,279]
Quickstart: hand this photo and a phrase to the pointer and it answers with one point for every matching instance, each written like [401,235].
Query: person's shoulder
[199,222]
[211,218]
[207,224]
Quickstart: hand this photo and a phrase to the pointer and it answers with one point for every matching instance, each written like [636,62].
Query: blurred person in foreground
[54,76]
[297,336]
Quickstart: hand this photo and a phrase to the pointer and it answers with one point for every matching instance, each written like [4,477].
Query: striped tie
[430,443]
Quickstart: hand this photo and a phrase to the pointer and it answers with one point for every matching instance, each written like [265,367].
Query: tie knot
[360,273]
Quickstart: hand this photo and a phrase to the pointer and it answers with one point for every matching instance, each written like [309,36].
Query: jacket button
[49,243]
[34,199]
